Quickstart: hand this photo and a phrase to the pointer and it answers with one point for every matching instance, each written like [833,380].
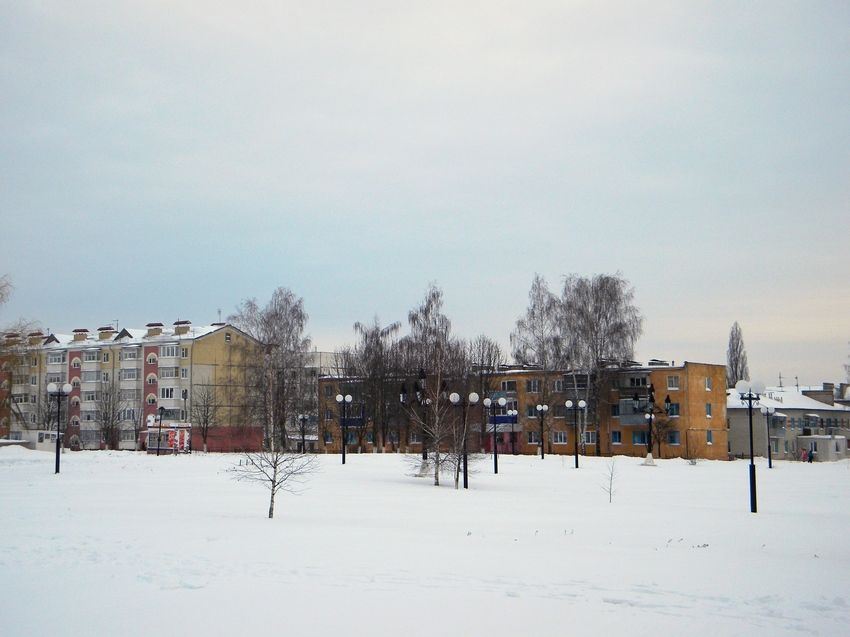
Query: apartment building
[151,378]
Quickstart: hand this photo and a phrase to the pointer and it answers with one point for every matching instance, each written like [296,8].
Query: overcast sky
[164,160]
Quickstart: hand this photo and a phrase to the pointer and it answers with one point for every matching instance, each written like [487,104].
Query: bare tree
[371,360]
[431,360]
[537,340]
[111,406]
[600,325]
[736,357]
[275,364]
[277,470]
[610,478]
[205,410]
[486,359]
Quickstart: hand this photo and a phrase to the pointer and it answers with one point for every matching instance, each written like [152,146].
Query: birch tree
[275,364]
[537,340]
[600,326]
[736,357]
[277,470]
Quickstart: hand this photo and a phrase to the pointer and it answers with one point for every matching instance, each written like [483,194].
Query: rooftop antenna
[780,380]
[797,381]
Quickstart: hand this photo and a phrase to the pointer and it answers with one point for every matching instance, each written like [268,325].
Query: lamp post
[58,391]
[161,411]
[344,401]
[575,407]
[648,410]
[768,414]
[750,393]
[473,400]
[491,405]
[541,413]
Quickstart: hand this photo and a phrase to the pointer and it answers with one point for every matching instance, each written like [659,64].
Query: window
[55,358]
[184,352]
[329,437]
[130,354]
[559,411]
[616,437]
[615,411]
[90,396]
[708,383]
[590,437]
[637,381]
[532,386]
[130,373]
[184,372]
[559,437]
[414,438]
[329,415]
[168,372]
[227,337]
[106,357]
[708,410]
[151,380]
[530,411]
[709,439]
[533,437]
[639,438]
[19,399]
[128,414]
[105,377]
[131,394]
[91,356]
[508,385]
[786,446]
[672,382]
[673,409]
[152,359]
[33,362]
[75,364]
[151,400]
[774,446]
[166,392]
[90,377]
[75,383]
[168,351]
[558,386]
[673,438]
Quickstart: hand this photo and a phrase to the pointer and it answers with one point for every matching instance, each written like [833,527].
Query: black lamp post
[513,413]
[768,414]
[473,400]
[541,414]
[491,405]
[575,407]
[750,394]
[58,391]
[161,411]
[344,401]
[648,410]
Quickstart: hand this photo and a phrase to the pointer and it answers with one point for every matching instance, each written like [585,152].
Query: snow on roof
[783,398]
[131,336]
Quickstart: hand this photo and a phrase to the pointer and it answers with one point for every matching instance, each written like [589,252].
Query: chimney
[181,327]
[154,329]
[80,334]
[105,332]
[35,337]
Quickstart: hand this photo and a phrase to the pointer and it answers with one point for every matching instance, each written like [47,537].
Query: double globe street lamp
[541,414]
[491,405]
[454,397]
[344,401]
[58,391]
[575,406]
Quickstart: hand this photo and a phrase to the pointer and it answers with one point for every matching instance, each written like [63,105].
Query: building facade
[688,413]
[139,387]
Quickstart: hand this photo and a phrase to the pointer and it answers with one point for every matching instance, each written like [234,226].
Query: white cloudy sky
[162,160]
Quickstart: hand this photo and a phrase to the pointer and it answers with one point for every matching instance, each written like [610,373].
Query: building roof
[783,399]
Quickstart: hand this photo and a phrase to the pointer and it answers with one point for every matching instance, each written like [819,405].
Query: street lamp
[768,414]
[55,390]
[344,401]
[750,393]
[491,405]
[648,410]
[541,413]
[161,411]
[575,407]
[473,400]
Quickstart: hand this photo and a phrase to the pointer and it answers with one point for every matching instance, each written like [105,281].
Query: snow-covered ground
[128,544]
